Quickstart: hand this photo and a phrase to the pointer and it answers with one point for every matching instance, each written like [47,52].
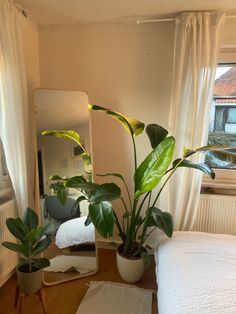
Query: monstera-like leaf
[156,134]
[133,126]
[157,218]
[200,166]
[64,134]
[102,216]
[105,192]
[72,135]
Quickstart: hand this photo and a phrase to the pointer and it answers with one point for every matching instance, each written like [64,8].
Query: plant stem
[126,210]
[130,231]
[130,203]
[137,215]
[149,200]
[119,227]
[135,154]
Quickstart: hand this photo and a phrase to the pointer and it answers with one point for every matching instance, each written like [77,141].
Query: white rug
[115,298]
[67,263]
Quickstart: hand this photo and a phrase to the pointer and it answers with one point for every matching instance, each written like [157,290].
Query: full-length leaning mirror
[72,253]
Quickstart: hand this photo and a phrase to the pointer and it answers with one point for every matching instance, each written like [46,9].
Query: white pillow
[73,232]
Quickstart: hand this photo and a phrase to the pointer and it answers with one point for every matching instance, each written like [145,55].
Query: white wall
[125,67]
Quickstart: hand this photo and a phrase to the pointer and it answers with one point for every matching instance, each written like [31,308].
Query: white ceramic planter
[30,283]
[130,269]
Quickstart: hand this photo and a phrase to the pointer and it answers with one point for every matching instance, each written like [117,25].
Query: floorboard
[66,297]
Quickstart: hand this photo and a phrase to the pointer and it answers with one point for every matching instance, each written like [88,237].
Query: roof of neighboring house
[225,85]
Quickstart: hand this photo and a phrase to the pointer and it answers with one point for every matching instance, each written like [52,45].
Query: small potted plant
[141,216]
[31,241]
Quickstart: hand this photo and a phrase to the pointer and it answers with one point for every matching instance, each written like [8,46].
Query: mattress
[196,273]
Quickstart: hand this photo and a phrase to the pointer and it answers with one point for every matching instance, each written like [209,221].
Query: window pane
[222,128]
[231,115]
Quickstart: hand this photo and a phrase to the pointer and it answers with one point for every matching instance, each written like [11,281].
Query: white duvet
[74,232]
[196,273]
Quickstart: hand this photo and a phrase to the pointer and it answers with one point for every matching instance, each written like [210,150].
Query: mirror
[73,252]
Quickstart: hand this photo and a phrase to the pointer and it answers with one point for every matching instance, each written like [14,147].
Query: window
[5,182]
[222,128]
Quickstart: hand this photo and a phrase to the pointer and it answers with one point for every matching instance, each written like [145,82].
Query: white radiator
[216,214]
[8,259]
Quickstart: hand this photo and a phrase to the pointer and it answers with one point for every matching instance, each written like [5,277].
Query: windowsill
[224,183]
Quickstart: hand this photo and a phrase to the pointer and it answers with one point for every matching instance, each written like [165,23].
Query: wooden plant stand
[20,297]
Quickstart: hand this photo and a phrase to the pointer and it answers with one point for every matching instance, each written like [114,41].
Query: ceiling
[44,12]
[58,110]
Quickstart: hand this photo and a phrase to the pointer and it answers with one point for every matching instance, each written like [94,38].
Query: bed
[196,273]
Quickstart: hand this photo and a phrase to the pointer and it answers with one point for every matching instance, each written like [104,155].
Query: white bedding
[196,273]
[74,232]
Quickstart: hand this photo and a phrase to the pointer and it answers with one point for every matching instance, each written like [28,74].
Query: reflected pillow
[74,232]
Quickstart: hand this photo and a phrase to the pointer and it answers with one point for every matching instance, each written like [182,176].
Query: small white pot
[130,269]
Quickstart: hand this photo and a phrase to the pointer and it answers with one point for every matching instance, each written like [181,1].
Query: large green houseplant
[32,240]
[141,216]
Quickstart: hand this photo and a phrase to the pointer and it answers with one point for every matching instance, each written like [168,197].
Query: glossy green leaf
[34,235]
[152,169]
[21,225]
[75,182]
[156,134]
[102,217]
[133,126]
[41,246]
[201,166]
[86,187]
[12,227]
[55,177]
[227,150]
[41,263]
[19,248]
[30,218]
[62,194]
[105,192]
[162,220]
[72,135]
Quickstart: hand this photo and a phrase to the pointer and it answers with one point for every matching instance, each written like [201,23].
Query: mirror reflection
[72,253]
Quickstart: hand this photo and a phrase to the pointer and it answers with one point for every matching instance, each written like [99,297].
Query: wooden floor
[65,298]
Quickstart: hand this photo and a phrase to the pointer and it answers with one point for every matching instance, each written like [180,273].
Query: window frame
[225,179]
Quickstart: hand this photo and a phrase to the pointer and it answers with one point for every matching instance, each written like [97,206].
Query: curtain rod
[169,20]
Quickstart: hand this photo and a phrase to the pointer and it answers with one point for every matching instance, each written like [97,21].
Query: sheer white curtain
[197,41]
[14,115]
